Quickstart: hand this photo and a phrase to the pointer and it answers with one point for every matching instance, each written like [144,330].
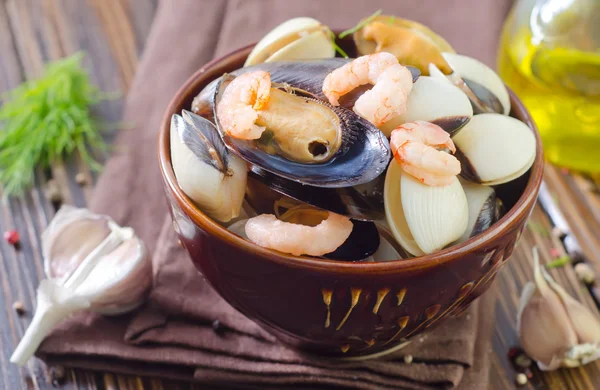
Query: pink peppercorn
[12,237]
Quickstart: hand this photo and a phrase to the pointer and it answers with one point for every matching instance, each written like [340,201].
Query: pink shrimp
[416,148]
[391,81]
[269,232]
[243,97]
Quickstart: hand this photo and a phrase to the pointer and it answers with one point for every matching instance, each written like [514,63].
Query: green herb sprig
[336,47]
[47,119]
[360,25]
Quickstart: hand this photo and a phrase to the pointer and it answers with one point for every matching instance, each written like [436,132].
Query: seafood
[304,76]
[484,209]
[240,103]
[481,84]
[391,81]
[434,101]
[295,39]
[494,149]
[423,218]
[311,133]
[363,202]
[214,179]
[309,141]
[411,42]
[416,147]
[267,231]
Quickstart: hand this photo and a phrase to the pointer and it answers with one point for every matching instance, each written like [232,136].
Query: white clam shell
[292,41]
[498,147]
[216,194]
[430,99]
[422,218]
[471,69]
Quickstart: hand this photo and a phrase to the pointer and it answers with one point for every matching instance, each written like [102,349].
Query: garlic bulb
[555,329]
[91,263]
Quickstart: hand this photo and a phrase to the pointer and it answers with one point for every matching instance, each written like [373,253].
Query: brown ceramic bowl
[340,308]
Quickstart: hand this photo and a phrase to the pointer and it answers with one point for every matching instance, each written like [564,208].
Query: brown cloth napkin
[174,334]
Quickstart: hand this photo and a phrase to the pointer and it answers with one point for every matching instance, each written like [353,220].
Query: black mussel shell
[360,203]
[363,155]
[362,243]
[490,101]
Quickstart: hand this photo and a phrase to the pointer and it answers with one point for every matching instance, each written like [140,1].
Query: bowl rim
[220,232]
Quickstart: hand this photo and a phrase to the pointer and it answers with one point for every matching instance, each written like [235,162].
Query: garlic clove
[585,323]
[71,235]
[121,279]
[92,263]
[545,331]
[54,303]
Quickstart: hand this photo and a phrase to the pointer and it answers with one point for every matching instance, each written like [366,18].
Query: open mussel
[411,42]
[479,82]
[494,149]
[434,101]
[294,39]
[362,202]
[423,218]
[208,174]
[307,140]
[306,77]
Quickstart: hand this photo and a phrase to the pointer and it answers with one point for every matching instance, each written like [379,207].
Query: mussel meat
[411,42]
[214,179]
[494,149]
[434,101]
[294,39]
[481,84]
[422,218]
[310,141]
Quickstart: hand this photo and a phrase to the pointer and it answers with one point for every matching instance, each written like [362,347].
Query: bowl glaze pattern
[337,308]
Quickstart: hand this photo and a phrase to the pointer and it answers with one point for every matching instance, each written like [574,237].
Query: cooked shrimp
[269,232]
[391,81]
[237,109]
[416,148]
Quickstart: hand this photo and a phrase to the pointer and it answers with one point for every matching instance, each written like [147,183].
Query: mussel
[411,42]
[422,218]
[306,77]
[210,176]
[434,101]
[310,141]
[494,149]
[362,202]
[294,39]
[481,84]
[484,209]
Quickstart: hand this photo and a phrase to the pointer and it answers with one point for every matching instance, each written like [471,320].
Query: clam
[208,174]
[295,39]
[388,250]
[481,84]
[434,101]
[494,149]
[422,218]
[484,209]
[411,42]
[310,141]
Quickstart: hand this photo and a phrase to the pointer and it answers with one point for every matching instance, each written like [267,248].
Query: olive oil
[560,85]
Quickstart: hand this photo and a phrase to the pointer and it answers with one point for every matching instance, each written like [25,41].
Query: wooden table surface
[113,32]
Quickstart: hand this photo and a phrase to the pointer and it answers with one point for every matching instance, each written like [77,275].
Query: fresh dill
[48,119]
[336,47]
[360,25]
